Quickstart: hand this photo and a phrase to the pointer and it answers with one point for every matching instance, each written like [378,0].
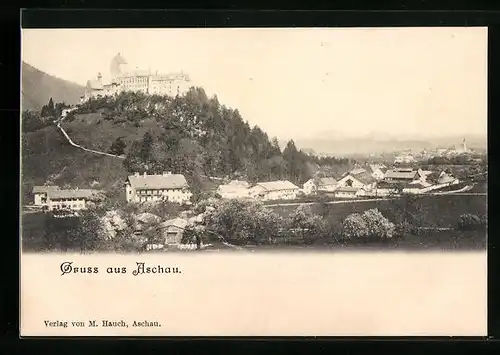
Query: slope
[38,87]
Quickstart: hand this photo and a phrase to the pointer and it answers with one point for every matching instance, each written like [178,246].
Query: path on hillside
[83,148]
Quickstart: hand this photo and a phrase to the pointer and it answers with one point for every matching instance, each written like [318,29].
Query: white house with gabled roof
[275,190]
[163,187]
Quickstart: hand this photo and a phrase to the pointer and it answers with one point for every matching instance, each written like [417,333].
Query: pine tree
[51,108]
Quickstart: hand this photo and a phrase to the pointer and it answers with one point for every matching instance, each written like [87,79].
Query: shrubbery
[244,222]
[369,225]
[470,221]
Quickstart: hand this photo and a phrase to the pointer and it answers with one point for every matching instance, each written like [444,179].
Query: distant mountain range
[38,87]
[339,145]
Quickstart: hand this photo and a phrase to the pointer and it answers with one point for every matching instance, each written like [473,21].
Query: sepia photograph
[131,145]
[177,143]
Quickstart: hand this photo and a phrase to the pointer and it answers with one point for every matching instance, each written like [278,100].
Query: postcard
[254,182]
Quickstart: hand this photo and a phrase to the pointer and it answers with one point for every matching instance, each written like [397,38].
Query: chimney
[145,174]
[165,173]
[136,174]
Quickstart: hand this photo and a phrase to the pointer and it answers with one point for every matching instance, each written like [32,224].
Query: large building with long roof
[125,79]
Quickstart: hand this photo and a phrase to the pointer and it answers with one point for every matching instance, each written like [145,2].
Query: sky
[301,82]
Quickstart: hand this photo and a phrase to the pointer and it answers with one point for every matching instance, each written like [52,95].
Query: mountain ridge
[37,87]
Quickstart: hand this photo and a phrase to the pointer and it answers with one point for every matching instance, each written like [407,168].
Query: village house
[54,198]
[164,187]
[275,190]
[347,192]
[378,171]
[447,179]
[404,159]
[358,178]
[41,194]
[417,187]
[234,189]
[401,175]
[319,185]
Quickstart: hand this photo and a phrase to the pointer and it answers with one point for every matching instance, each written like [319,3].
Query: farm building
[347,192]
[327,184]
[275,190]
[234,189]
[358,178]
[166,187]
[55,198]
[401,175]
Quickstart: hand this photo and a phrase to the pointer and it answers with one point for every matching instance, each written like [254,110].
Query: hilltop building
[137,80]
[164,187]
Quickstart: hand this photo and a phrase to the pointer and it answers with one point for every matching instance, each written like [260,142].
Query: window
[349,183]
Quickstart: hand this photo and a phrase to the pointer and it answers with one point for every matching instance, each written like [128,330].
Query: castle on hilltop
[124,79]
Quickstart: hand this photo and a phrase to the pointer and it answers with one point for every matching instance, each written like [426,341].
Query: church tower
[464,146]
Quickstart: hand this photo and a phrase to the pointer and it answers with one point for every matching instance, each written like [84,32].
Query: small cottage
[173,230]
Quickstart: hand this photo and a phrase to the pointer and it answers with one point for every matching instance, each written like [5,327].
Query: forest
[196,136]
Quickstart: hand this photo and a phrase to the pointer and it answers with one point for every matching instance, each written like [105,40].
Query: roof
[326,181]
[357,171]
[416,185]
[176,222]
[77,193]
[421,183]
[395,174]
[381,167]
[362,175]
[444,179]
[158,182]
[44,189]
[277,185]
[238,183]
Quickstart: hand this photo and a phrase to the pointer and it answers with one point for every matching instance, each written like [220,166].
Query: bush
[378,226]
[244,222]
[354,226]
[469,221]
[308,225]
[369,225]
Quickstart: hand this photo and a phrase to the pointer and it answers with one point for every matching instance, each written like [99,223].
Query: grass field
[434,211]
[449,240]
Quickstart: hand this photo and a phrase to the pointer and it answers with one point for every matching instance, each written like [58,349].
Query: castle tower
[116,66]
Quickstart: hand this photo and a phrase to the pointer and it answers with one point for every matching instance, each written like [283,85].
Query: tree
[307,224]
[244,222]
[369,225]
[51,109]
[118,147]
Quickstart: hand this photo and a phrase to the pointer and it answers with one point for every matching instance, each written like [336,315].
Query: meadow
[431,211]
